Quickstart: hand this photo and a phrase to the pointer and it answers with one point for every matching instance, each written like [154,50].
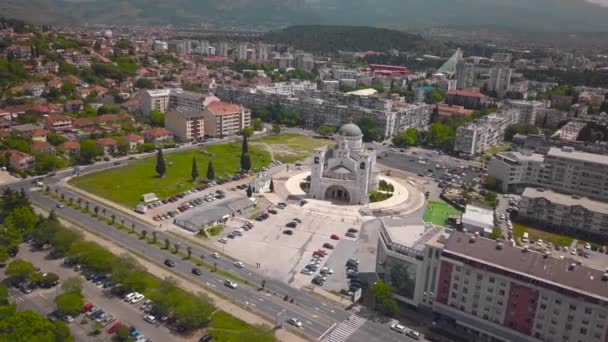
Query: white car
[327,270]
[398,328]
[130,296]
[223,240]
[231,284]
[295,322]
[239,264]
[216,255]
[306,271]
[587,245]
[137,298]
[150,319]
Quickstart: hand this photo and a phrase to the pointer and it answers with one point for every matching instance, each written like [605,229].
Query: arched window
[316,160]
[362,166]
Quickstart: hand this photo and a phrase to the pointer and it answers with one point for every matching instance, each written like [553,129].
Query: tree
[157,118]
[383,294]
[327,131]
[55,139]
[407,138]
[96,210]
[27,325]
[245,162]
[123,147]
[194,170]
[276,129]
[249,191]
[247,132]
[160,163]
[123,333]
[69,303]
[257,124]
[166,243]
[519,129]
[433,96]
[20,270]
[210,171]
[62,332]
[154,237]
[4,295]
[176,247]
[72,285]
[245,145]
[369,128]
[48,280]
[113,217]
[144,233]
[189,251]
[271,186]
[144,83]
[88,151]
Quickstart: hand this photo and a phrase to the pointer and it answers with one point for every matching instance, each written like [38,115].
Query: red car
[334,237]
[86,308]
[114,327]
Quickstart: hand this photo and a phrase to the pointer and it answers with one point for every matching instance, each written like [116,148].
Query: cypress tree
[210,171]
[194,169]
[160,163]
[245,147]
[249,191]
[271,186]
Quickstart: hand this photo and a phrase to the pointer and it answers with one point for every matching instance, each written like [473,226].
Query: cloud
[603,3]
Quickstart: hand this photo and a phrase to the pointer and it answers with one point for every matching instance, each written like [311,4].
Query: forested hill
[327,38]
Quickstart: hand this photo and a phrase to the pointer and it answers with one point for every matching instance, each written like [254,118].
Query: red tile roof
[158,132]
[40,132]
[223,108]
[17,156]
[41,146]
[133,138]
[57,118]
[70,145]
[465,93]
[82,122]
[106,142]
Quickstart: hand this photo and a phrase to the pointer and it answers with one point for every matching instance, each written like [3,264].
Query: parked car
[334,237]
[114,327]
[239,264]
[291,224]
[328,245]
[288,232]
[150,319]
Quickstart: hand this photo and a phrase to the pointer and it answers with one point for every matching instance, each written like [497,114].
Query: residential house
[81,123]
[69,147]
[157,135]
[18,160]
[133,140]
[108,145]
[39,134]
[58,123]
[73,106]
[43,146]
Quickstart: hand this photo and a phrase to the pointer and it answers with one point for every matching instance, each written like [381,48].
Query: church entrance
[337,193]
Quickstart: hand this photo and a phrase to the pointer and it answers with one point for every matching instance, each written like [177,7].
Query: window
[501,292]
[583,331]
[558,302]
[572,307]
[492,280]
[588,311]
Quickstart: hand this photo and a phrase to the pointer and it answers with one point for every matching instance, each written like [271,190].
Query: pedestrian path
[344,330]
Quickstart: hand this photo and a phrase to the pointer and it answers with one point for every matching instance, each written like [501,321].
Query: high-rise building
[179,98]
[262,52]
[528,109]
[283,61]
[304,61]
[222,49]
[241,52]
[476,137]
[154,100]
[176,46]
[500,79]
[502,57]
[465,75]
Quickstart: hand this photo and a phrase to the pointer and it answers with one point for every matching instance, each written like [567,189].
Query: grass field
[438,212]
[226,328]
[535,234]
[290,147]
[126,184]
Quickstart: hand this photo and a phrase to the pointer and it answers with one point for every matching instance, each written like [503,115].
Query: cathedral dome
[350,130]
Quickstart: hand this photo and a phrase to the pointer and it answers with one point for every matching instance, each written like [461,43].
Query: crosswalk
[25,297]
[344,330]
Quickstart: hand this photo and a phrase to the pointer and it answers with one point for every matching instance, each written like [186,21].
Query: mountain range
[523,15]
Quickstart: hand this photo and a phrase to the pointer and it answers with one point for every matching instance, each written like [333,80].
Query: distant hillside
[524,15]
[325,38]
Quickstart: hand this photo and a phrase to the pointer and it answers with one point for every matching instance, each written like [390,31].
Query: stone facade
[347,172]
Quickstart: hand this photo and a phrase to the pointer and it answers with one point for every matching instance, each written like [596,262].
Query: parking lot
[131,315]
[282,256]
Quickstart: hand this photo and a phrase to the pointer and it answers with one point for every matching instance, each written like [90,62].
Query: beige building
[186,124]
[157,99]
[223,119]
[560,211]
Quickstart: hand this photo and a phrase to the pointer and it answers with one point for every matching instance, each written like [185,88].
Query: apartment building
[179,98]
[465,75]
[500,79]
[154,100]
[562,169]
[563,212]
[304,61]
[476,137]
[186,124]
[465,98]
[415,115]
[224,119]
[505,293]
[528,109]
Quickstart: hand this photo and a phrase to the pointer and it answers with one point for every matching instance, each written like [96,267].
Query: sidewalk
[220,303]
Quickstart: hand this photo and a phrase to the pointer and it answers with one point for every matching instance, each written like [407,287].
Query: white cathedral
[345,173]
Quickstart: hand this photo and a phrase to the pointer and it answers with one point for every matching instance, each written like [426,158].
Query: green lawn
[438,212]
[126,184]
[226,328]
[535,234]
[215,230]
[290,147]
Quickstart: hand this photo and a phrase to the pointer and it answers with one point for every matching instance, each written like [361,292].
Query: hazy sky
[599,2]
